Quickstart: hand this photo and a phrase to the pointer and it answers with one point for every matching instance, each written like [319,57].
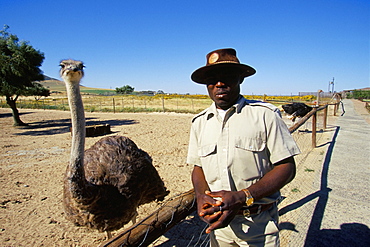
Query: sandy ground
[34,158]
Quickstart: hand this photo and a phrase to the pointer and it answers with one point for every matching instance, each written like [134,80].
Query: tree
[38,91]
[124,90]
[359,94]
[19,69]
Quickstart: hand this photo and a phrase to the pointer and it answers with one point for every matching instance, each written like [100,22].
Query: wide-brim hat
[218,60]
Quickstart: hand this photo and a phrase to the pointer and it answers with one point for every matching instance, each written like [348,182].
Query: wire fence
[137,103]
[180,104]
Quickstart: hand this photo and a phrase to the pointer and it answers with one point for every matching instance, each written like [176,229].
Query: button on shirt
[239,149]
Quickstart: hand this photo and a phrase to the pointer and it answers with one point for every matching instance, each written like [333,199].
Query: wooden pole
[163,103]
[314,121]
[114,107]
[156,224]
[325,117]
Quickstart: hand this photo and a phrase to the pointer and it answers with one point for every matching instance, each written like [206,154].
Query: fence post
[325,116]
[114,106]
[335,109]
[163,103]
[314,121]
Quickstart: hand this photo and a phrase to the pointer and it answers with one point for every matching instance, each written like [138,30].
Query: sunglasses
[226,79]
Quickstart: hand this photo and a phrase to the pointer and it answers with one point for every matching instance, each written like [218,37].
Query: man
[242,154]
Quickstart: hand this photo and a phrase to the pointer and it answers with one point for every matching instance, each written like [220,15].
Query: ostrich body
[104,185]
[296,110]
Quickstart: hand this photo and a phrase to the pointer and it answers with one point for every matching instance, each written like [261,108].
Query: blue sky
[295,46]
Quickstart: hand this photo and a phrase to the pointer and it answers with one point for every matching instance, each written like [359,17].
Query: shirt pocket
[250,161]
[207,150]
[250,144]
[208,160]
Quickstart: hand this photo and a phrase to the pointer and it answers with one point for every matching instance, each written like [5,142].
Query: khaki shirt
[241,149]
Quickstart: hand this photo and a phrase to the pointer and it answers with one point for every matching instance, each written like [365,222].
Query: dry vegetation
[139,103]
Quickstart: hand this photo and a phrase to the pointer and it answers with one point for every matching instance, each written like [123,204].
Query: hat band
[225,62]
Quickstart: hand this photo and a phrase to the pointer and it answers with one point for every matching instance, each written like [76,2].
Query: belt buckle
[246,213]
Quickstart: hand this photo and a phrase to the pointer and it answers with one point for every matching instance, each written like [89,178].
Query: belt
[254,209]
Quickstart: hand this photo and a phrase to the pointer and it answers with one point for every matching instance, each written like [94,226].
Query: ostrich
[104,185]
[296,110]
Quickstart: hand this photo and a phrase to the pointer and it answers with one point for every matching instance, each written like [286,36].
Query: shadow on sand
[61,126]
[350,234]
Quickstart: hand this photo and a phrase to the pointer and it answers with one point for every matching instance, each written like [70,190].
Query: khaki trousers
[255,231]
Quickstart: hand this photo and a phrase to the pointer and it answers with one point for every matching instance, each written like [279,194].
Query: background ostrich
[296,110]
[104,185]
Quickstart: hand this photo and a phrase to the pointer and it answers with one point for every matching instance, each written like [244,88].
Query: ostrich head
[71,70]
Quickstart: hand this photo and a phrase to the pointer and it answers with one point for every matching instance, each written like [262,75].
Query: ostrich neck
[76,170]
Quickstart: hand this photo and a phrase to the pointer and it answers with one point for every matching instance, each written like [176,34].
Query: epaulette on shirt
[199,114]
[264,104]
[261,103]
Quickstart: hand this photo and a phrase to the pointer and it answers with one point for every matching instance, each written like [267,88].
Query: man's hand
[208,208]
[223,211]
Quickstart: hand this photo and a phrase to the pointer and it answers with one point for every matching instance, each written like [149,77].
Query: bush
[359,94]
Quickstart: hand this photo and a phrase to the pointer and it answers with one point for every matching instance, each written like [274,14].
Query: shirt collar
[240,103]
[212,111]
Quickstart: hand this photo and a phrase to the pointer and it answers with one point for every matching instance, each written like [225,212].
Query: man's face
[224,88]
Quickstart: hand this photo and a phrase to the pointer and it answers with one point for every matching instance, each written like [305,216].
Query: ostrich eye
[62,65]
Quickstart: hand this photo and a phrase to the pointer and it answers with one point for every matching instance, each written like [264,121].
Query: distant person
[242,154]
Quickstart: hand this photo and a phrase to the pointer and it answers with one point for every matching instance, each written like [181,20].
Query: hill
[57,86]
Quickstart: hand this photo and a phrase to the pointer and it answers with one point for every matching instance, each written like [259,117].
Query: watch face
[249,201]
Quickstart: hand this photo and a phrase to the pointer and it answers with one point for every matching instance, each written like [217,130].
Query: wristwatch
[248,198]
